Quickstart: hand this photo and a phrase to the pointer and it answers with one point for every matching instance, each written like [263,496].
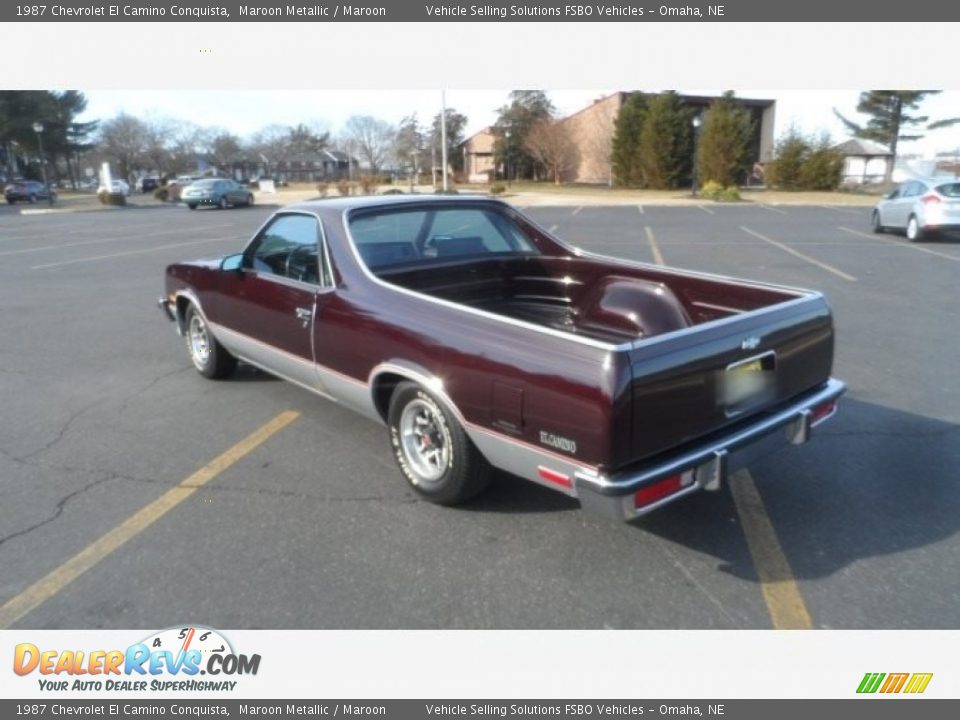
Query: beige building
[592,129]
[478,161]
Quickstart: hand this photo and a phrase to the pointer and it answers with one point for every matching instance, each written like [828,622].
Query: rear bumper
[167,308]
[707,466]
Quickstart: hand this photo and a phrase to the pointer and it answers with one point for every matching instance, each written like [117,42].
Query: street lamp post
[696,147]
[38,129]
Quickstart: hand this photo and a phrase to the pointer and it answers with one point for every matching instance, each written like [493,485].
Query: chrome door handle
[304,315]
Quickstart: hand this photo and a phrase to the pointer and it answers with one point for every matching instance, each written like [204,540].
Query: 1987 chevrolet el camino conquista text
[484,342]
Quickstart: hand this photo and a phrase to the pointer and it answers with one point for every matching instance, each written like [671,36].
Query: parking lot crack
[61,433]
[58,510]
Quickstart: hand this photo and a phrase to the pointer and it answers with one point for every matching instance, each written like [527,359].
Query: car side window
[289,247]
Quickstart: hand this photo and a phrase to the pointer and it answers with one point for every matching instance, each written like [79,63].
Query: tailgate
[696,381]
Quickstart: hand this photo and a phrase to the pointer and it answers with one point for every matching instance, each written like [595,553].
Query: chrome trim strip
[630,482]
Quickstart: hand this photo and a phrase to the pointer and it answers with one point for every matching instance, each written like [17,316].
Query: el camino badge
[750,343]
[560,443]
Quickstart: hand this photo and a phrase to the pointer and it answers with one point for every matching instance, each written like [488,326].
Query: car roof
[370,201]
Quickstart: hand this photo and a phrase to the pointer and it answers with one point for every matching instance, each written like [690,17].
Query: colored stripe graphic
[918,683]
[870,682]
[894,683]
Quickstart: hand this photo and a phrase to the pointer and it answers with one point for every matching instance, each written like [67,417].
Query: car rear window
[951,190]
[422,236]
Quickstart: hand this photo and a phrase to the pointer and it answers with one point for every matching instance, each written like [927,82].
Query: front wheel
[875,221]
[209,357]
[33,199]
[222,203]
[431,448]
[192,206]
[914,231]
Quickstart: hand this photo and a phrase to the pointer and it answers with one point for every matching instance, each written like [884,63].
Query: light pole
[696,147]
[38,129]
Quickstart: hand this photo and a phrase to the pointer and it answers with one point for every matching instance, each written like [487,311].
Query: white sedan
[920,206]
[117,187]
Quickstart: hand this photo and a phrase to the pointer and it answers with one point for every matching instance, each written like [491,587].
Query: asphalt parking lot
[314,527]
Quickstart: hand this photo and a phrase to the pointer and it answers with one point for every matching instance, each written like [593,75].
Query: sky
[243,112]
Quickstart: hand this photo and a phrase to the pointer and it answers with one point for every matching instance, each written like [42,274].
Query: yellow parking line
[785,604]
[904,245]
[657,255]
[788,249]
[58,579]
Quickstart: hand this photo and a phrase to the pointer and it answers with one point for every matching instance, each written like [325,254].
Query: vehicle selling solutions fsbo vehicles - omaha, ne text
[483,342]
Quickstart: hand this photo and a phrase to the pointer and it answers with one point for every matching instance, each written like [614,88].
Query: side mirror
[893,195]
[232,263]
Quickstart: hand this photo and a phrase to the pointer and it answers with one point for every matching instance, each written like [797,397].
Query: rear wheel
[209,357]
[431,448]
[914,231]
[250,200]
[33,199]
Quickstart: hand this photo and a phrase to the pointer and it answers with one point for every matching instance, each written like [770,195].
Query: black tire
[192,206]
[460,471]
[913,230]
[222,202]
[209,357]
[11,201]
[33,199]
[250,200]
[875,221]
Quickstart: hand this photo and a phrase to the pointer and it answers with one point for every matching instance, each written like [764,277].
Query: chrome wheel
[425,440]
[198,341]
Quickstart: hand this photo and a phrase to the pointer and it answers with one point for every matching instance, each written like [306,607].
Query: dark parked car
[216,191]
[482,342]
[28,191]
[148,184]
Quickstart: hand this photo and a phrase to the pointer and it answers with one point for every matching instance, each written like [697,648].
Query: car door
[236,194]
[908,196]
[267,306]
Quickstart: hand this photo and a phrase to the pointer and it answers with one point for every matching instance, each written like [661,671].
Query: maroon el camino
[483,342]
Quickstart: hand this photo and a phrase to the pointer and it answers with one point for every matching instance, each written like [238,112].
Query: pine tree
[626,141]
[666,142]
[723,152]
[789,156]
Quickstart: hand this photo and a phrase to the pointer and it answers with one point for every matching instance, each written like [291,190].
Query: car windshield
[950,190]
[417,236]
[204,183]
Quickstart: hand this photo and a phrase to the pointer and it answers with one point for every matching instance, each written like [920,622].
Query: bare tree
[123,140]
[372,139]
[549,142]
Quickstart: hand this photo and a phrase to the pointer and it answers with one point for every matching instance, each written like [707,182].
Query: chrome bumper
[706,467]
[166,306]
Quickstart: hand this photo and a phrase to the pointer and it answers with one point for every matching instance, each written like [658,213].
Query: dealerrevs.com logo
[890,683]
[169,660]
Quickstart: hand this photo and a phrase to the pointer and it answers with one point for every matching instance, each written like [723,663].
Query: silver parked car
[216,191]
[920,206]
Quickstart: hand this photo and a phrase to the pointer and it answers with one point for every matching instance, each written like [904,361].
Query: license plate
[746,382]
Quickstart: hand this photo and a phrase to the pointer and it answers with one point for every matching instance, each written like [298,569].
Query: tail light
[660,489]
[822,411]
[930,199]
